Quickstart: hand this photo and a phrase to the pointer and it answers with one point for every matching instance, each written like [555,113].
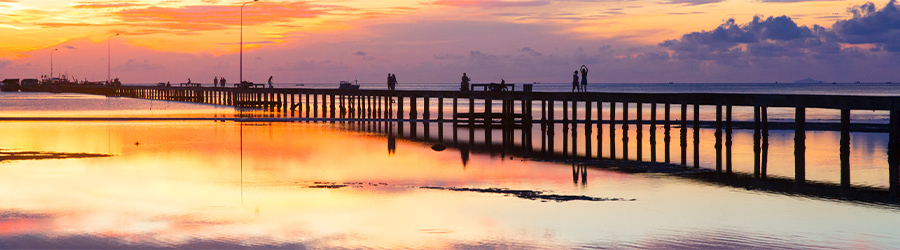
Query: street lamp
[108,58]
[51,62]
[241,75]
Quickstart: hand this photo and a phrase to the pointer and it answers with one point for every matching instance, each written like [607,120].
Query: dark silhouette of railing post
[800,144]
[625,130]
[565,127]
[728,139]
[575,128]
[684,134]
[588,124]
[845,148]
[653,132]
[764,160]
[696,135]
[333,108]
[488,120]
[612,130]
[893,152]
[756,142]
[718,135]
[639,131]
[599,128]
[544,127]
[550,127]
[667,127]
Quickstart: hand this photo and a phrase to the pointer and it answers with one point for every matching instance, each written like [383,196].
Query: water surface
[211,184]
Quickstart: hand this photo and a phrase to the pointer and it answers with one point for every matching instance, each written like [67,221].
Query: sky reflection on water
[207,184]
[182,184]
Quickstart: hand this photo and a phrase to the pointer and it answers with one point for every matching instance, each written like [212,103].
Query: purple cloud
[871,26]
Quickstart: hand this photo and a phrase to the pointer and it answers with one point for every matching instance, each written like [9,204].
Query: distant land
[808,80]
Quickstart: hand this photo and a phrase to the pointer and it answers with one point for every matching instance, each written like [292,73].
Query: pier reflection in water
[189,184]
[627,123]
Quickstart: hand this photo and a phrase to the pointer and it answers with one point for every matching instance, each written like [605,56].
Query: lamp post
[241,75]
[51,62]
[108,57]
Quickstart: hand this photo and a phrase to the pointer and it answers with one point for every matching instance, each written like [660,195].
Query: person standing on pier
[575,81]
[584,71]
[270,82]
[223,82]
[389,82]
[215,82]
[464,85]
[393,81]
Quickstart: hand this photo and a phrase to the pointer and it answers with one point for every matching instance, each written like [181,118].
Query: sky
[435,41]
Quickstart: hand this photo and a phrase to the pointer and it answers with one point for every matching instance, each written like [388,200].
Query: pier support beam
[756,142]
[718,135]
[845,148]
[684,134]
[625,130]
[696,135]
[653,132]
[612,130]
[894,152]
[800,144]
[728,135]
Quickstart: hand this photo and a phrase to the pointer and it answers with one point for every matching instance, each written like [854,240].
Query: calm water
[208,184]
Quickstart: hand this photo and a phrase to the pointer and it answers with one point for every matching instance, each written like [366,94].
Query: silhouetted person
[215,82]
[223,82]
[584,71]
[189,81]
[390,82]
[575,81]
[393,81]
[168,84]
[270,82]
[464,85]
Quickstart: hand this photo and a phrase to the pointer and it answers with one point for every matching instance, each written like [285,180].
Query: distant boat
[348,85]
[10,85]
[32,85]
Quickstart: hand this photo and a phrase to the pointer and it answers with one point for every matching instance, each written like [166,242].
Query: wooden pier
[520,110]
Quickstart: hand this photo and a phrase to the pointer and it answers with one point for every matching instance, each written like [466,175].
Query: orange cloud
[104,5]
[490,3]
[204,18]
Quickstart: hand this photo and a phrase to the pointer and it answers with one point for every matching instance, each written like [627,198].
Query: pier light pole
[51,62]
[108,57]
[241,75]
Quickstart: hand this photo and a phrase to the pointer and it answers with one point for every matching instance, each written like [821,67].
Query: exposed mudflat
[530,194]
[542,196]
[10,155]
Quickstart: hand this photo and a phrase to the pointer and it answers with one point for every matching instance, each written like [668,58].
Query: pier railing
[520,110]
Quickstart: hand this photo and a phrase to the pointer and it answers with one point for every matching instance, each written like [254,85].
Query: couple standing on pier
[583,87]
[216,82]
[392,81]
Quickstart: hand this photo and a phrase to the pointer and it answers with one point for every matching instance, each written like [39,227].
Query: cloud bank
[764,39]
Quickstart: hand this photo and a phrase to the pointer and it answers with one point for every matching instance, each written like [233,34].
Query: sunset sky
[434,41]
